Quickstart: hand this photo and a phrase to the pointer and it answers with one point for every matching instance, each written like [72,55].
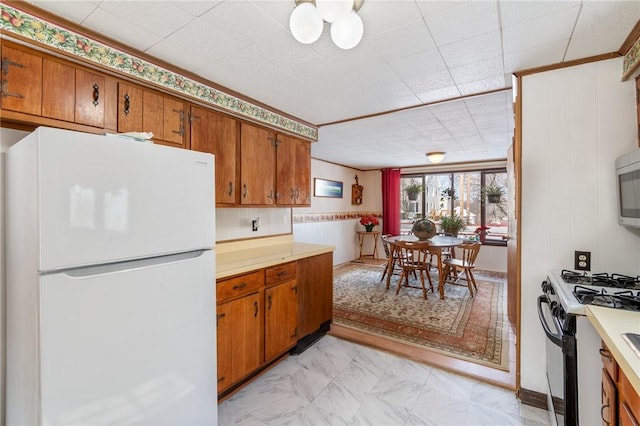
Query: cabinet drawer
[609,363]
[283,272]
[238,286]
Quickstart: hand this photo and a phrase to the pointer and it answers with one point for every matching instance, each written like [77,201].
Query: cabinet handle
[5,90]
[270,196]
[255,305]
[281,274]
[6,63]
[605,354]
[269,302]
[96,94]
[219,317]
[127,104]
[245,190]
[221,379]
[295,289]
[239,286]
[295,333]
[604,407]
[297,192]
[230,188]
[180,131]
[292,194]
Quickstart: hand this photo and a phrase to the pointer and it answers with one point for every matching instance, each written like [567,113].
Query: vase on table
[369,227]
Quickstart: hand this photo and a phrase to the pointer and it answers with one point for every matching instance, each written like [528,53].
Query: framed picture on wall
[327,188]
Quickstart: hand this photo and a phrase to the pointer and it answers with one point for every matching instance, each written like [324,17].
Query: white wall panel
[576,121]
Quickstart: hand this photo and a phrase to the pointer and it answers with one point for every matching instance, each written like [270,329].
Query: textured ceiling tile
[197,8]
[403,41]
[438,94]
[160,18]
[111,25]
[430,82]
[380,16]
[75,11]
[466,20]
[418,65]
[540,55]
[484,85]
[473,49]
[516,12]
[546,29]
[478,70]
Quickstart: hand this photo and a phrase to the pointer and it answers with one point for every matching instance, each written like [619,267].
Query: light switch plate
[582,261]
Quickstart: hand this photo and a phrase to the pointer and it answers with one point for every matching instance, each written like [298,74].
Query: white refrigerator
[110,282]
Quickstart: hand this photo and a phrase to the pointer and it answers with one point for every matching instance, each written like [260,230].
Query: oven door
[561,366]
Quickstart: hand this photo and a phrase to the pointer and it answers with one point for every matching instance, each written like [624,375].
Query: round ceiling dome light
[305,23]
[435,157]
[347,32]
[332,10]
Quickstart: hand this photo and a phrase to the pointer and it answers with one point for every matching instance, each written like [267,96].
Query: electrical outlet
[582,261]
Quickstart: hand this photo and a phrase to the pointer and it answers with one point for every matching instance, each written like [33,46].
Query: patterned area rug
[470,328]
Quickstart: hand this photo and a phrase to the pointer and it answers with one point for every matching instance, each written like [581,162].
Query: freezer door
[134,346]
[103,200]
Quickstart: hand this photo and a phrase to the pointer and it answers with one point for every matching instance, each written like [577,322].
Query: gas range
[575,289]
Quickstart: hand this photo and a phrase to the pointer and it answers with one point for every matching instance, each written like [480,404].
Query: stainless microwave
[628,185]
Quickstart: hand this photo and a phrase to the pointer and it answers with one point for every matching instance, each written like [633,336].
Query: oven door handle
[555,338]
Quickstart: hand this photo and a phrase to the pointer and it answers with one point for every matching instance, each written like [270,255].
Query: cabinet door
[21,81]
[174,121]
[240,325]
[217,134]
[152,114]
[90,94]
[257,165]
[315,292]
[281,318]
[58,90]
[629,403]
[303,173]
[609,400]
[129,108]
[293,173]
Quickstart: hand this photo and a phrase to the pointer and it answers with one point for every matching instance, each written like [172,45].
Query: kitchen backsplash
[236,223]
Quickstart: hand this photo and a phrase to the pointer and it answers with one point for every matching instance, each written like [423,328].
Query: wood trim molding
[533,398]
[567,64]
[632,53]
[37,31]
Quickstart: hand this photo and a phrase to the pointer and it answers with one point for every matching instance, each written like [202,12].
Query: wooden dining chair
[412,258]
[454,266]
[393,268]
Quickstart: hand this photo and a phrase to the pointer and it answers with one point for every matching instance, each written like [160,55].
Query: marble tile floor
[336,382]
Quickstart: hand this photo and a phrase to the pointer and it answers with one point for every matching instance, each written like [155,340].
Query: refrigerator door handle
[128,265]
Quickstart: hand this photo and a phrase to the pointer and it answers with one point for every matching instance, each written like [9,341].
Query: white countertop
[610,325]
[244,256]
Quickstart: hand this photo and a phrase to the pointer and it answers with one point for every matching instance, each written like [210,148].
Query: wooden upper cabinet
[174,119]
[58,90]
[217,134]
[293,173]
[21,81]
[129,108]
[90,98]
[257,165]
[153,114]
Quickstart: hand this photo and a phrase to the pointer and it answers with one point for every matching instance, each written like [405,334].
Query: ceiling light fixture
[435,157]
[306,21]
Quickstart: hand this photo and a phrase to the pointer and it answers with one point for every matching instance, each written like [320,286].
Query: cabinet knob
[244,190]
[230,188]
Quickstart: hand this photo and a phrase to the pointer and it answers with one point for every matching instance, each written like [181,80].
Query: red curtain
[391,201]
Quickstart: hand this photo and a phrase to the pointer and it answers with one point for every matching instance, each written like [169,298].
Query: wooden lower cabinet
[315,293]
[620,401]
[260,315]
[281,319]
[239,331]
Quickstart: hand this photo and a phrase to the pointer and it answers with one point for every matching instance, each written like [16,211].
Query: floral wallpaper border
[34,28]
[330,217]
[631,60]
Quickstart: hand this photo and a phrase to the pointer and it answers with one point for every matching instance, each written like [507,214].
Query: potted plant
[413,189]
[493,192]
[369,221]
[452,224]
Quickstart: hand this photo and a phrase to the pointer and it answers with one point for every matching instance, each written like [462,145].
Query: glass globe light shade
[435,157]
[305,23]
[332,10]
[347,32]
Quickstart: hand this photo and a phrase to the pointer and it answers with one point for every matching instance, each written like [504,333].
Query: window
[460,193]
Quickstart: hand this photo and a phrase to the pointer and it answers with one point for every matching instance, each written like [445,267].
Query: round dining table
[436,245]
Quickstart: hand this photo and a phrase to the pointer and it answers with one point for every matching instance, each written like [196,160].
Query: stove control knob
[554,307]
[561,313]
